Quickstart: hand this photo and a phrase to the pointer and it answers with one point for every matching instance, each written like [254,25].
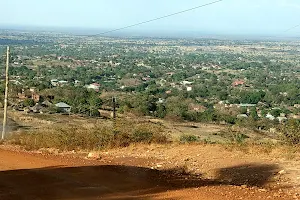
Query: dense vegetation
[202,80]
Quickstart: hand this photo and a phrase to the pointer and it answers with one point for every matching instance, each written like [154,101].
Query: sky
[251,17]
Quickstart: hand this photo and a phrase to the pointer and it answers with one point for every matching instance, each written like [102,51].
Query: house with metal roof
[63,107]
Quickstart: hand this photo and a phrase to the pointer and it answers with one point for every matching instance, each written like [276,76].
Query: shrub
[233,136]
[238,138]
[97,137]
[291,132]
[28,102]
[142,136]
[188,138]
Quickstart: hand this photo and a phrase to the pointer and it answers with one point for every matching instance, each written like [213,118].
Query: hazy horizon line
[86,31]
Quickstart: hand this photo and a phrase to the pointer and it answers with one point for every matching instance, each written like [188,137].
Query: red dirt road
[38,177]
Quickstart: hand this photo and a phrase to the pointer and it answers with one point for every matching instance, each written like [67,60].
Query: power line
[159,18]
[292,28]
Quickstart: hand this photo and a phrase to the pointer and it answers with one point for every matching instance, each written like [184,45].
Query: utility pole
[114,107]
[6,95]
[115,132]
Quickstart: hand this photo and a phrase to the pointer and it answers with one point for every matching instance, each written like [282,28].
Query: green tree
[28,102]
[253,114]
[176,106]
[161,110]
[275,112]
[94,103]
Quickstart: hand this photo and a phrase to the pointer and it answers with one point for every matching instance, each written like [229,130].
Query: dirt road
[35,176]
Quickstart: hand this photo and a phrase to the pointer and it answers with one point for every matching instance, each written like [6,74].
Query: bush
[28,103]
[142,135]
[238,138]
[188,138]
[234,136]
[65,138]
[97,137]
[291,132]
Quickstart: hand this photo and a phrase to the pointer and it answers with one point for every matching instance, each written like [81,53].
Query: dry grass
[79,133]
[90,137]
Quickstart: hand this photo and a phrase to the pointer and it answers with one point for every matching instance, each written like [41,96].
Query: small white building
[93,86]
[160,101]
[186,83]
[54,82]
[270,117]
[282,119]
[63,82]
[241,116]
[77,82]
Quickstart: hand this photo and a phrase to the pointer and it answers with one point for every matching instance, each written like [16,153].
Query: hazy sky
[271,17]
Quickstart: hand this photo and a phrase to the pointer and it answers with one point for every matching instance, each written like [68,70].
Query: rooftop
[62,105]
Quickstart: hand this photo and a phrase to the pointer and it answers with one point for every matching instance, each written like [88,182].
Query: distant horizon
[83,31]
[266,18]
